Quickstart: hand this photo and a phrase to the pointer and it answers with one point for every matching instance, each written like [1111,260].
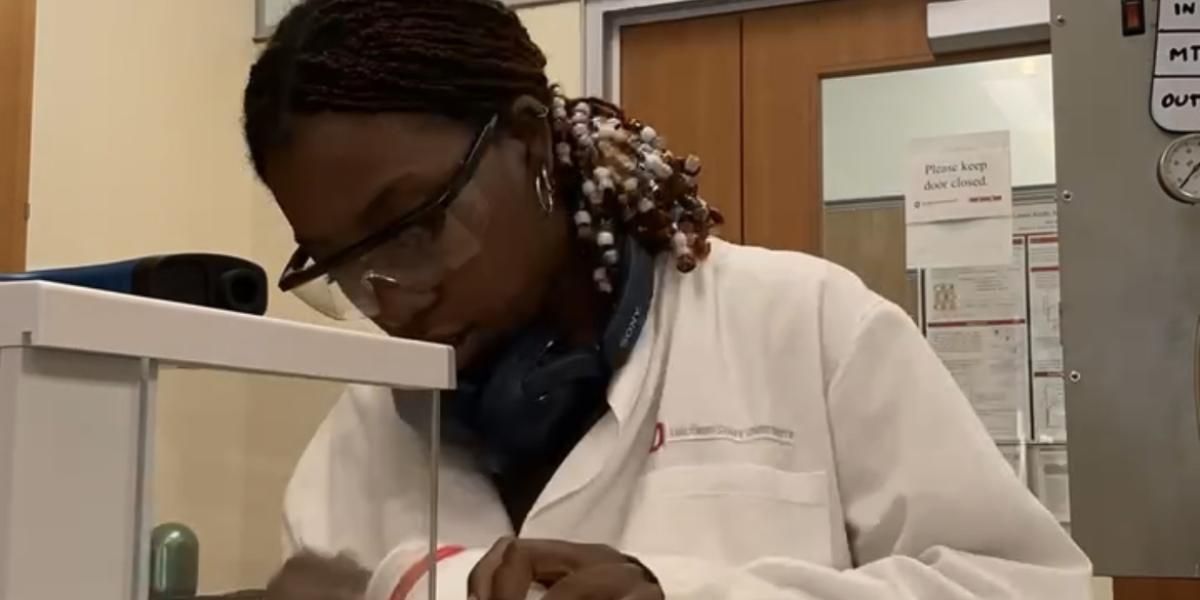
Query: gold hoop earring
[543,186]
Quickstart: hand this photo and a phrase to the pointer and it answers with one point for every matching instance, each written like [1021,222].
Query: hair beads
[626,178]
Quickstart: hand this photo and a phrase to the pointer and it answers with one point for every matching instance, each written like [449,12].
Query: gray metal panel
[1131,298]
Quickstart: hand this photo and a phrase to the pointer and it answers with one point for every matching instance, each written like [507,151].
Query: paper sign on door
[959,177]
[958,202]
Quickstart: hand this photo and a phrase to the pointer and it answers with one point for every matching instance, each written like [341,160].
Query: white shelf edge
[46,315]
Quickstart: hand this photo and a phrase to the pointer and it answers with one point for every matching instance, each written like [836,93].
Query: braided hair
[470,60]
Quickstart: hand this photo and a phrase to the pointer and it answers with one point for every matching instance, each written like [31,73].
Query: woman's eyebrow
[380,210]
[404,192]
[374,215]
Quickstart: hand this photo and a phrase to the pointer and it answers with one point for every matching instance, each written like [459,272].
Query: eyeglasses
[397,269]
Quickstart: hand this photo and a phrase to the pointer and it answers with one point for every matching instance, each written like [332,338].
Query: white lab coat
[780,431]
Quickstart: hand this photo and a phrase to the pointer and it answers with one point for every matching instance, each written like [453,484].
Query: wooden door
[870,242]
[786,53]
[16,109]
[684,79]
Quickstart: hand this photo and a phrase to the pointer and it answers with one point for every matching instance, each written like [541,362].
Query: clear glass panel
[870,242]
[867,124]
[226,445]
[868,120]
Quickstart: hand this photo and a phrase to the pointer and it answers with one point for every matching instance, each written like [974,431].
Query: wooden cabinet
[786,53]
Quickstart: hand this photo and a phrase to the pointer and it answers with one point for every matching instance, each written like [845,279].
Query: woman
[655,412]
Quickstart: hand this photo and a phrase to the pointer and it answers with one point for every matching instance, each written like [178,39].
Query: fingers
[504,573]
[546,561]
[479,581]
[311,575]
[513,578]
[605,582]
[570,571]
[553,559]
[645,591]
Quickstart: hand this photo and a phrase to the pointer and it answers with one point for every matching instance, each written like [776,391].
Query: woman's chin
[468,345]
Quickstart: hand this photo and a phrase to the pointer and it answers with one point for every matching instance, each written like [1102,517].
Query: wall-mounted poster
[996,329]
[1039,224]
[975,319]
[1046,353]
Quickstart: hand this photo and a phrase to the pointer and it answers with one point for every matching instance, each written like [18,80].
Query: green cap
[174,562]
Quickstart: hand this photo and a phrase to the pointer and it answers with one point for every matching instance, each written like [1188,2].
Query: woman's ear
[528,120]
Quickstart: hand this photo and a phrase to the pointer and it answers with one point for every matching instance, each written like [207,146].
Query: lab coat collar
[626,387]
[631,397]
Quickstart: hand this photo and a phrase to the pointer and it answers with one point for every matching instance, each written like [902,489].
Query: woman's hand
[312,576]
[567,570]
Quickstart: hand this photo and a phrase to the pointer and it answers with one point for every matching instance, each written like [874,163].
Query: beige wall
[557,29]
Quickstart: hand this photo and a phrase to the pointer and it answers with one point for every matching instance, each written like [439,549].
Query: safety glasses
[395,271]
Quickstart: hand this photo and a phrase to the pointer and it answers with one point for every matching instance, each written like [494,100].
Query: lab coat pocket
[731,513]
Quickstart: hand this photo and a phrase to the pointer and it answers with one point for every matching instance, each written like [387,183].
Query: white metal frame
[975,24]
[603,20]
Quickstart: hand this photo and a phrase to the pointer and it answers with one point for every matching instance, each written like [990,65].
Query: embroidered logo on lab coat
[664,434]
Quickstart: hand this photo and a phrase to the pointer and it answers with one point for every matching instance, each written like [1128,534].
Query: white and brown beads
[583,224]
[625,175]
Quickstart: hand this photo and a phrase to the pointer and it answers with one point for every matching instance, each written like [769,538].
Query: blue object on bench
[212,280]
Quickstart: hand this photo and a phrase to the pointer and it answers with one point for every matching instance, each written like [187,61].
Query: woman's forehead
[337,166]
